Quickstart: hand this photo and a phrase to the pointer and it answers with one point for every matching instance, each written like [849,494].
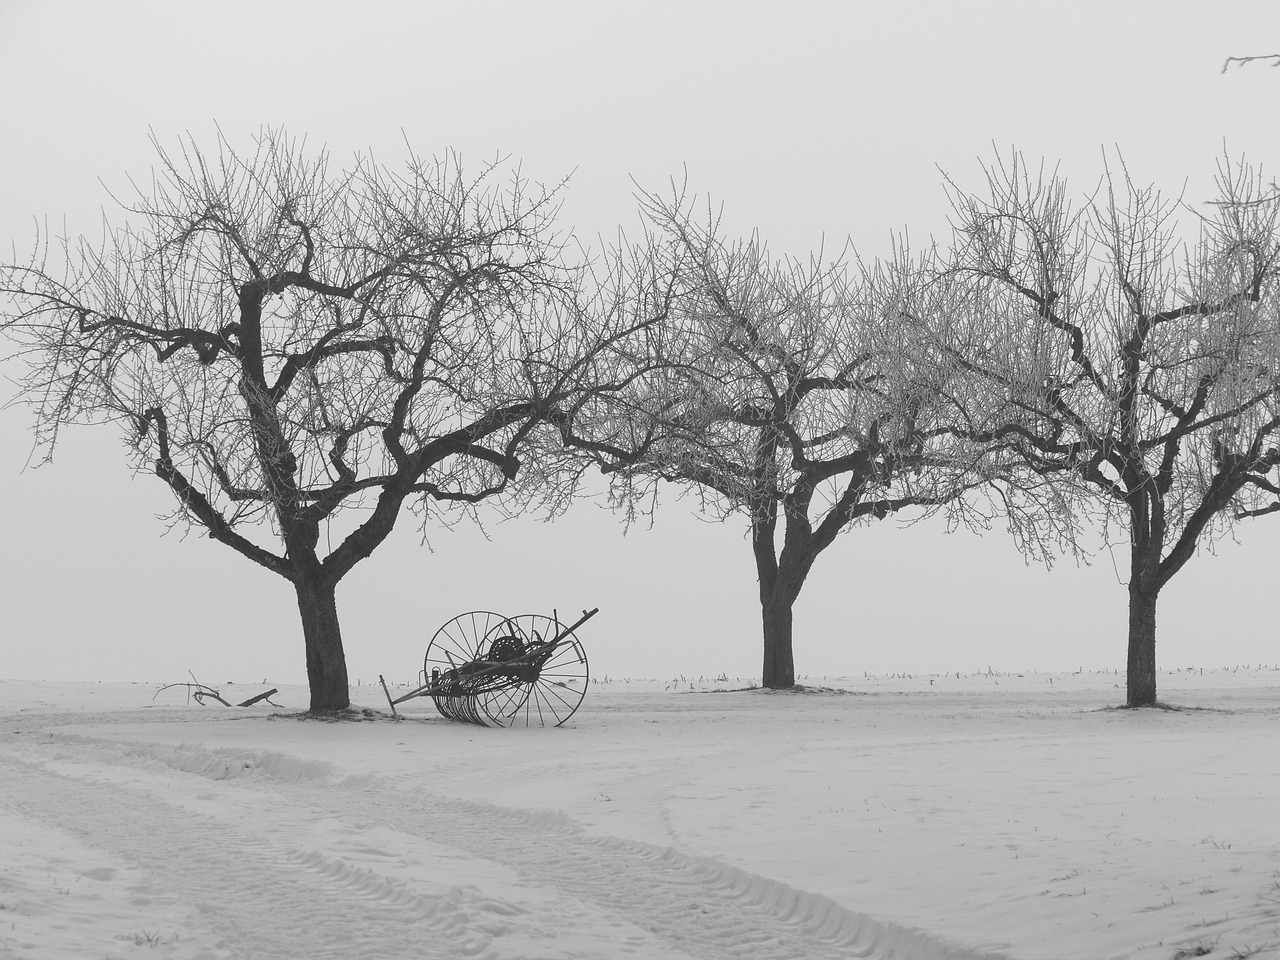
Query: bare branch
[284,342]
[1241,61]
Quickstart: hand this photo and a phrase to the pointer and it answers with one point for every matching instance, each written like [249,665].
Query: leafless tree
[794,395]
[284,342]
[1140,369]
[1267,485]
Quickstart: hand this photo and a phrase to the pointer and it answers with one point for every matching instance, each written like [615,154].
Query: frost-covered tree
[797,397]
[1137,364]
[284,342]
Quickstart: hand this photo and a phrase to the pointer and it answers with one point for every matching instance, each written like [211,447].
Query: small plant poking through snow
[143,939]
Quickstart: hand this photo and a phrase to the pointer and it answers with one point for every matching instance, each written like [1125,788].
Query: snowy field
[912,817]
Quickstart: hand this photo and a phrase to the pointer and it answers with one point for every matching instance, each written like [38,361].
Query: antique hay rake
[491,670]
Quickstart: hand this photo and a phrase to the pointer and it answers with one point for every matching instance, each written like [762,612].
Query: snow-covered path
[282,858]
[909,822]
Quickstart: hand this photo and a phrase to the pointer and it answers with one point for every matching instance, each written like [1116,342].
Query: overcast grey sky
[809,121]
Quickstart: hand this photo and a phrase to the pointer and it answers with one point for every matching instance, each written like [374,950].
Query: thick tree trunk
[780,581]
[1141,672]
[326,661]
[779,671]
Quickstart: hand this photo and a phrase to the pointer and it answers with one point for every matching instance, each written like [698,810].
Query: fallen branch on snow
[199,691]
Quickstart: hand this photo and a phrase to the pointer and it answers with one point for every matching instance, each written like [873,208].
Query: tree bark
[326,661]
[1141,670]
[1146,531]
[779,672]
[779,587]
[781,577]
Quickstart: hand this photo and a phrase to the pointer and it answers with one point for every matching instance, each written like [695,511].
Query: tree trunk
[779,671]
[326,661]
[1141,672]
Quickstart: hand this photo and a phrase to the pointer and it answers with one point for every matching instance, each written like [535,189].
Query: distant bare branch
[1241,61]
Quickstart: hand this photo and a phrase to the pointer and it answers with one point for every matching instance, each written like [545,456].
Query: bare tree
[284,343]
[1140,370]
[793,394]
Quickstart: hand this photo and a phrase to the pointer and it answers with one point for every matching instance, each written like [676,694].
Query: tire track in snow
[703,907]
[263,902]
[271,902]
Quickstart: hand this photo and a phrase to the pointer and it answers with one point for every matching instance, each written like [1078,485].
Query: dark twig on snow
[199,691]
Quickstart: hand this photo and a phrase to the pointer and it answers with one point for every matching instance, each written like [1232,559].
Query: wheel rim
[460,641]
[547,694]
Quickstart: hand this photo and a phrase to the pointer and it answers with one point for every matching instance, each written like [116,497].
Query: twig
[200,691]
[1273,57]
[262,696]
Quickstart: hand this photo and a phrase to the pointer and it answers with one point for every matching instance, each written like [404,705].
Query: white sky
[817,121]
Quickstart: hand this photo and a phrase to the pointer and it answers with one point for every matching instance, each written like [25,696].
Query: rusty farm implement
[487,669]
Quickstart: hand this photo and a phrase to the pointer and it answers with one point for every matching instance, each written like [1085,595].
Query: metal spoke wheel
[459,642]
[544,685]
[491,670]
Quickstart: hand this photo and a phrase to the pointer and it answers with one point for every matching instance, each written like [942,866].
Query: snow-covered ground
[909,817]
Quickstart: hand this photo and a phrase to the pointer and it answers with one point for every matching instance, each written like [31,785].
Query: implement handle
[586,615]
[388,693]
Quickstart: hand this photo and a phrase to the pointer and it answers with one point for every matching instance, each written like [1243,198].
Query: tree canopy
[1139,368]
[283,342]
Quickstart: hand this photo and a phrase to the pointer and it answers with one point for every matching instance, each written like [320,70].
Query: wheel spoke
[515,685]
